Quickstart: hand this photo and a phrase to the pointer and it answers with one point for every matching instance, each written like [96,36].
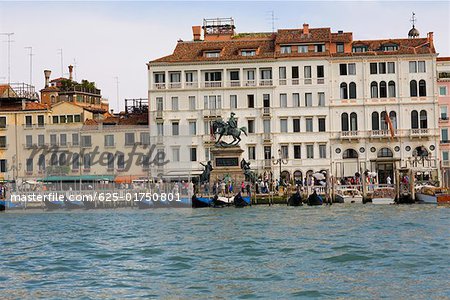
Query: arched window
[54,159]
[75,161]
[383,125]
[393,117]
[350,153]
[53,99]
[422,88]
[41,162]
[62,159]
[413,88]
[414,119]
[352,90]
[374,89]
[353,122]
[344,93]
[423,119]
[391,89]
[383,90]
[385,152]
[375,121]
[344,122]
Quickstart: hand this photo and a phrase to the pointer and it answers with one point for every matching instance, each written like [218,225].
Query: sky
[106,41]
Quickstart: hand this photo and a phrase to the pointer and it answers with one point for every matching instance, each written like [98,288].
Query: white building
[317,97]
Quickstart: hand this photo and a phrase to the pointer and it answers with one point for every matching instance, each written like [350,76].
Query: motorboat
[348,195]
[384,195]
[432,195]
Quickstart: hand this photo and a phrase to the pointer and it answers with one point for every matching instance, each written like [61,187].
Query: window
[373,68]
[353,122]
[391,89]
[251,126]
[75,139]
[323,151]
[309,124]
[109,140]
[374,90]
[41,140]
[295,73]
[303,49]
[390,47]
[283,100]
[40,119]
[285,49]
[352,69]
[175,154]
[445,156]
[350,153]
[284,151]
[413,88]
[87,161]
[282,72]
[3,142]
[375,121]
[53,140]
[414,119]
[266,74]
[63,139]
[2,122]
[145,138]
[159,77]
[193,153]
[175,128]
[250,75]
[382,68]
[28,121]
[234,75]
[385,152]
[296,99]
[320,72]
[344,122]
[340,48]
[391,67]
[55,119]
[423,119]
[266,100]
[29,165]
[359,49]
[3,165]
[174,103]
[211,54]
[41,162]
[443,110]
[160,129]
[191,102]
[266,126]
[343,69]
[321,97]
[421,66]
[110,161]
[70,119]
[383,118]
[319,48]
[307,73]
[251,101]
[444,135]
[233,101]
[283,125]
[343,89]
[442,92]
[308,99]
[159,104]
[62,119]
[248,52]
[321,124]
[54,159]
[212,102]
[192,127]
[296,125]
[120,161]
[175,77]
[412,67]
[129,139]
[189,77]
[213,76]
[309,151]
[422,88]
[251,152]
[352,90]
[383,90]
[297,152]
[28,141]
[77,118]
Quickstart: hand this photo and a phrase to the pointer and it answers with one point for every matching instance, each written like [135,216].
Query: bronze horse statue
[225,129]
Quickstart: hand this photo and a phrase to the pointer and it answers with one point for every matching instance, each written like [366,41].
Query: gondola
[222,201]
[295,200]
[52,205]
[314,199]
[200,202]
[240,201]
[2,205]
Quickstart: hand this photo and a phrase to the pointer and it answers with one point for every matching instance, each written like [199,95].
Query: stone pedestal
[227,163]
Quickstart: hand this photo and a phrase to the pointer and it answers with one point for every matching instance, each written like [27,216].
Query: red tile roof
[443,59]
[29,106]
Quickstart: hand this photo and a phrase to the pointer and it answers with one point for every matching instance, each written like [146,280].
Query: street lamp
[279,161]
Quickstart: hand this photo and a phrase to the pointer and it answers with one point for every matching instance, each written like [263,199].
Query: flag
[389,124]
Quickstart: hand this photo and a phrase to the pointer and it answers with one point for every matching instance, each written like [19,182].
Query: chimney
[305,29]
[430,38]
[197,32]
[70,72]
[47,77]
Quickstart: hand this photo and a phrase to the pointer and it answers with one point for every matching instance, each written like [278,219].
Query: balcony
[420,132]
[267,138]
[266,82]
[282,82]
[266,111]
[191,85]
[249,83]
[295,81]
[159,86]
[212,113]
[212,84]
[443,118]
[349,135]
[159,114]
[308,81]
[444,141]
[383,133]
[175,85]
[446,163]
[234,83]
[320,80]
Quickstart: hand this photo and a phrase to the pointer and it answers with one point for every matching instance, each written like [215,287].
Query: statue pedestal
[227,164]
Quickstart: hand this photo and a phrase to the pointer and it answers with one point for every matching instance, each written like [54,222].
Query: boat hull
[383,201]
[426,199]
[348,199]
[201,202]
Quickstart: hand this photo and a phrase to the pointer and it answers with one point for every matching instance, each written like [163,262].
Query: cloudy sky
[115,39]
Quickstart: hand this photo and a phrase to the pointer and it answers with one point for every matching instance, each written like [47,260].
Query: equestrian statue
[228,128]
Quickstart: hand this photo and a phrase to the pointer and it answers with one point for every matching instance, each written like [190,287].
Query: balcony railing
[250,83]
[212,84]
[174,85]
[308,81]
[382,133]
[159,113]
[266,82]
[320,80]
[234,83]
[267,137]
[349,134]
[295,81]
[282,81]
[420,132]
[193,84]
[266,111]
[159,86]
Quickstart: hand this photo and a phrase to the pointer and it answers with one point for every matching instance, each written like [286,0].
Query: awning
[126,178]
[78,178]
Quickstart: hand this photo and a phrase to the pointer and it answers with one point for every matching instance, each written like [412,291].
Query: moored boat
[220,201]
[199,202]
[432,195]
[384,195]
[2,205]
[295,200]
[240,201]
[348,195]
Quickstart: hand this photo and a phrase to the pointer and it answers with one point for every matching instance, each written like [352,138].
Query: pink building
[443,69]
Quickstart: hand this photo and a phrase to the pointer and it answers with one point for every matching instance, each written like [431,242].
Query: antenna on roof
[272,19]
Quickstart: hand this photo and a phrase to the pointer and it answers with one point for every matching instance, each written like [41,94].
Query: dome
[413,33]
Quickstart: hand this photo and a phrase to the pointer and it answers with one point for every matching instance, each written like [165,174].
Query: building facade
[443,68]
[317,98]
